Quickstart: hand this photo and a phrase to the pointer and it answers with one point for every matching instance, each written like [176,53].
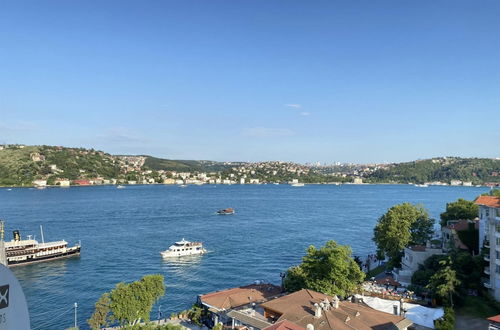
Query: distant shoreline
[239,184]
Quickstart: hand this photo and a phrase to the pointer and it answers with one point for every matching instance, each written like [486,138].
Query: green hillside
[21,165]
[172,165]
[184,165]
[476,170]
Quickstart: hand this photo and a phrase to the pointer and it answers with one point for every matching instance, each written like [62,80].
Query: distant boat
[183,185]
[9,189]
[120,186]
[425,185]
[226,211]
[297,185]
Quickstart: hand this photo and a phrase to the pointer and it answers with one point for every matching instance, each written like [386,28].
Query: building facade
[489,239]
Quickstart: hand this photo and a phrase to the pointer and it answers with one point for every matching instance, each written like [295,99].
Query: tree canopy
[400,226]
[330,270]
[459,210]
[129,302]
[444,282]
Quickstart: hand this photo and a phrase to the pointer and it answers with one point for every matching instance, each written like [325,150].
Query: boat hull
[176,254]
[72,252]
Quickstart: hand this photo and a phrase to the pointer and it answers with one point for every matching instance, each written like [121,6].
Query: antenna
[41,232]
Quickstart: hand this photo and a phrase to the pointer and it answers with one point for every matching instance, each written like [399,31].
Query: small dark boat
[226,211]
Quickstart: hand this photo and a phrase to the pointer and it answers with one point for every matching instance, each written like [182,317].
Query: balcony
[487,270]
[487,258]
[487,244]
[487,285]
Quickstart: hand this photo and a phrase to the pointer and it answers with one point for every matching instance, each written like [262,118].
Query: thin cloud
[121,135]
[296,106]
[265,132]
[19,126]
[305,113]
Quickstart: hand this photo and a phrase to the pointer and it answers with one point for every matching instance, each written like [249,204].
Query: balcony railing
[487,285]
[487,270]
[487,244]
[487,257]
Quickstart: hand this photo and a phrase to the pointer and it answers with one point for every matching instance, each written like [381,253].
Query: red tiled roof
[231,298]
[298,307]
[495,318]
[462,225]
[284,325]
[491,201]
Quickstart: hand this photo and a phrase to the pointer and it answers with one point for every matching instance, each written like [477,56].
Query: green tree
[447,322]
[459,210]
[131,303]
[492,192]
[100,317]
[402,225]
[444,282]
[330,270]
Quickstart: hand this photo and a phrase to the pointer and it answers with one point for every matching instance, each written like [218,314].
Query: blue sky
[353,81]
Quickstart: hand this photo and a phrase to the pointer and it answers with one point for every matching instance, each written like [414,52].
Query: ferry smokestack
[17,236]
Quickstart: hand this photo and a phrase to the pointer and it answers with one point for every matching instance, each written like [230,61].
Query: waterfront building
[239,306]
[358,181]
[412,258]
[316,311]
[40,183]
[489,238]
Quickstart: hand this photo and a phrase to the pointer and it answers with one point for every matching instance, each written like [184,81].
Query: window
[497,269]
[498,227]
[498,254]
[498,241]
[498,212]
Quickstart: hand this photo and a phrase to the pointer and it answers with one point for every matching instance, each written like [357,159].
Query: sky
[249,80]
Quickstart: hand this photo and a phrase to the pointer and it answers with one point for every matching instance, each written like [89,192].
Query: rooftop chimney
[335,302]
[317,311]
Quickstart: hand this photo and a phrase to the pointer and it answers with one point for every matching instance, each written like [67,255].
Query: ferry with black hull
[28,251]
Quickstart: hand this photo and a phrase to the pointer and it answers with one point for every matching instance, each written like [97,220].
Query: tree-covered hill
[20,165]
[184,165]
[475,170]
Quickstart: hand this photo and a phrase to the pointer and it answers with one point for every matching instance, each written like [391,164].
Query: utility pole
[76,306]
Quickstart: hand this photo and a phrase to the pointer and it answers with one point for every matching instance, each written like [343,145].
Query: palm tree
[444,281]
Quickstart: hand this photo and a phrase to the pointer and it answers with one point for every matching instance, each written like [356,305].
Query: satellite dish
[13,308]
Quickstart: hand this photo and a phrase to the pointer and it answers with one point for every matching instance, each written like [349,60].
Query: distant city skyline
[354,82]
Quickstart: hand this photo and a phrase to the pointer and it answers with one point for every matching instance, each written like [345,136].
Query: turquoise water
[122,232]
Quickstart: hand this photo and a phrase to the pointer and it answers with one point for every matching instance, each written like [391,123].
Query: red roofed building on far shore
[489,237]
[81,182]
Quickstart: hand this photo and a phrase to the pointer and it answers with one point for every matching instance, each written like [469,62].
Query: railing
[487,285]
[487,258]
[487,270]
[487,244]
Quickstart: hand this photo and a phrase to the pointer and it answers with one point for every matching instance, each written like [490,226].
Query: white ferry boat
[26,251]
[183,248]
[297,185]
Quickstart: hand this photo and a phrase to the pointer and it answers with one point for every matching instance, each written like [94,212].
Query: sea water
[122,232]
